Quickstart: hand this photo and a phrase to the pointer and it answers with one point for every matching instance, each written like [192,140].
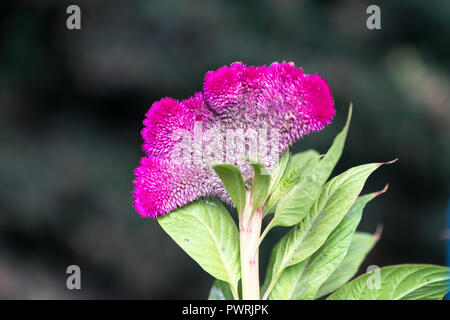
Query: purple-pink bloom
[279,98]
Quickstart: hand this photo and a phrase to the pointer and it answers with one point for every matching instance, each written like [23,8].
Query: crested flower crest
[242,112]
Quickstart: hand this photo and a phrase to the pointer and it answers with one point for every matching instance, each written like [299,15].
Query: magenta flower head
[242,112]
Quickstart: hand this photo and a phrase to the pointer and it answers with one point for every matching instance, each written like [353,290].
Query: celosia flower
[279,100]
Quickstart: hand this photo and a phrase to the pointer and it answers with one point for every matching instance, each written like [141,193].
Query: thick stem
[250,229]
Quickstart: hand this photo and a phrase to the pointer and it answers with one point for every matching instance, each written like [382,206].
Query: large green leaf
[303,280]
[208,234]
[291,176]
[361,245]
[402,282]
[279,171]
[295,205]
[232,180]
[269,270]
[260,185]
[220,290]
[337,197]
[297,163]
[290,284]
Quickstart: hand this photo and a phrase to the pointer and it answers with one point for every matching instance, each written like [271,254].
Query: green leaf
[303,280]
[290,284]
[362,244]
[297,166]
[292,174]
[279,171]
[337,197]
[208,234]
[269,270]
[293,207]
[220,290]
[299,159]
[260,186]
[232,180]
[401,282]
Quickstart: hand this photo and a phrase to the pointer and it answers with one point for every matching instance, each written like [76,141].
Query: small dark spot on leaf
[187,240]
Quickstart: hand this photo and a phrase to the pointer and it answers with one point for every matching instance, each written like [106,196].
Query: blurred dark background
[72,105]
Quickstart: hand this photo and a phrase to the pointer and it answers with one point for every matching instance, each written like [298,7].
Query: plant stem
[235,293]
[271,285]
[265,232]
[250,229]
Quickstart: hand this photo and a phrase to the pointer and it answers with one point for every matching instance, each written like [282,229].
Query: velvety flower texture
[278,98]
